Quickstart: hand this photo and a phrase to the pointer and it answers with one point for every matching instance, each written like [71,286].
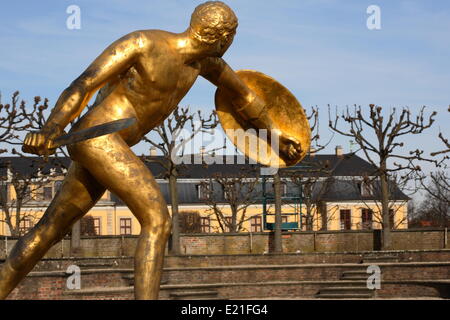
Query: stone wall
[246,243]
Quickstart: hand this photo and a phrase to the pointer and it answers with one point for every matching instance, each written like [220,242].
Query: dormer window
[203,191]
[366,188]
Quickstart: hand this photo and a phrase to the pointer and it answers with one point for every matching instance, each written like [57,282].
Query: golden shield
[283,109]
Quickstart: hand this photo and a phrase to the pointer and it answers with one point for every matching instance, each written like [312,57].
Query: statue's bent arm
[115,59]
[247,103]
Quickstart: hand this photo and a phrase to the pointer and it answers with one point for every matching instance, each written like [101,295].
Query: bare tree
[21,189]
[12,121]
[314,180]
[87,226]
[369,193]
[278,242]
[172,139]
[233,193]
[313,119]
[380,137]
[445,142]
[436,205]
[313,177]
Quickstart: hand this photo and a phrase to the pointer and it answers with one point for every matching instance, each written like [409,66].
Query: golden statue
[143,75]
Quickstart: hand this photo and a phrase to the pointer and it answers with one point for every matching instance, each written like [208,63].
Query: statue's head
[214,24]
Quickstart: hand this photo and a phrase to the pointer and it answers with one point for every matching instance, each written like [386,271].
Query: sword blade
[93,132]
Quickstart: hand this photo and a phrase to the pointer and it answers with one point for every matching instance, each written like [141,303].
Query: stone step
[127,292]
[345,296]
[348,283]
[190,295]
[130,279]
[244,290]
[252,273]
[354,275]
[350,277]
[217,291]
[100,293]
[345,290]
[376,258]
[115,277]
[98,264]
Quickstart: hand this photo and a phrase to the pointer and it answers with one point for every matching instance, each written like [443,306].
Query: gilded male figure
[144,75]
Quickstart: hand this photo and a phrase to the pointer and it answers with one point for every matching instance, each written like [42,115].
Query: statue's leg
[110,160]
[78,193]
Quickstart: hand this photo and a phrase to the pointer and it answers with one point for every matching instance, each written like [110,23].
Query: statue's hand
[40,142]
[290,147]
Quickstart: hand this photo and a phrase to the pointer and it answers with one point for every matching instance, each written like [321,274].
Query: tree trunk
[277,190]
[309,216]
[75,239]
[175,216]
[234,213]
[321,208]
[386,244]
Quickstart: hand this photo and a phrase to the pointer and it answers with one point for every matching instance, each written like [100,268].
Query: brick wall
[273,275]
[246,243]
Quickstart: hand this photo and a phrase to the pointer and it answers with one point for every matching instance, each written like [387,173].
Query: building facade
[324,192]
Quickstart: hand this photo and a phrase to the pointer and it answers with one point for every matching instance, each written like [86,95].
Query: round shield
[283,109]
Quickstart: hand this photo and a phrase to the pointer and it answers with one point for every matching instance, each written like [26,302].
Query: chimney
[312,152]
[153,152]
[339,151]
[202,150]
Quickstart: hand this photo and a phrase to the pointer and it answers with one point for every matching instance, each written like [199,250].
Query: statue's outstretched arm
[115,59]
[248,104]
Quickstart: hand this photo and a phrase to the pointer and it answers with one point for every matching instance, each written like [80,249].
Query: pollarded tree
[20,187]
[379,136]
[229,196]
[446,143]
[314,180]
[436,205]
[173,134]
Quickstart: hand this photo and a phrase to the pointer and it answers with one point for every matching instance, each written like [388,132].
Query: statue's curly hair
[213,20]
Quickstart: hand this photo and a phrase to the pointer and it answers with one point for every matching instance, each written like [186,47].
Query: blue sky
[320,49]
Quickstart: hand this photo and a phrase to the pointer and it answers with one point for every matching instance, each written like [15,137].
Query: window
[25,225]
[97,226]
[346,223]
[205,224]
[366,219]
[284,219]
[366,189]
[284,189]
[203,191]
[125,226]
[48,193]
[230,190]
[256,224]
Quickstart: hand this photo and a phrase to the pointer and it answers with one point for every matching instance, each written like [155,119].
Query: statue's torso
[149,91]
